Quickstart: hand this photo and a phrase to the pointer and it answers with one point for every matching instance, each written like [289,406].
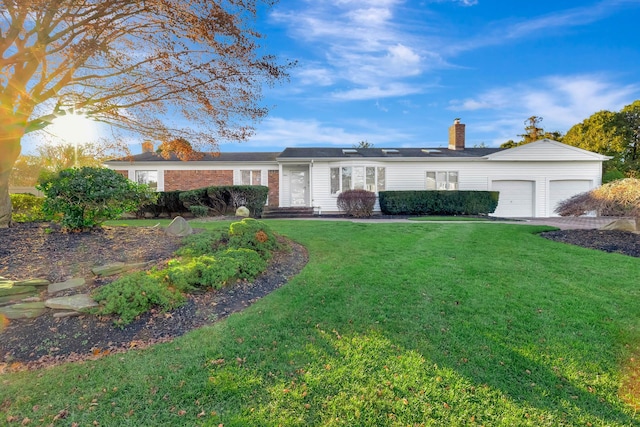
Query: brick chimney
[147,146]
[456,135]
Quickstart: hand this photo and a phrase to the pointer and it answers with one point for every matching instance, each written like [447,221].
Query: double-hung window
[370,178]
[442,180]
[148,177]
[250,177]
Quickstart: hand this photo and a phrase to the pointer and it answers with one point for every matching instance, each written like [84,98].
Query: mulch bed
[33,251]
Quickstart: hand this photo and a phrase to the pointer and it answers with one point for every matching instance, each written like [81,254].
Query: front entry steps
[295,212]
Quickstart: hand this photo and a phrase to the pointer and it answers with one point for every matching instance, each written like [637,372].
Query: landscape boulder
[179,227]
[243,211]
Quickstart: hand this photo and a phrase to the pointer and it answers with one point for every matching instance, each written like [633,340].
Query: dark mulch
[622,242]
[31,251]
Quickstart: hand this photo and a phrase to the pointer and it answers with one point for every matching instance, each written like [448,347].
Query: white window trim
[366,186]
[446,183]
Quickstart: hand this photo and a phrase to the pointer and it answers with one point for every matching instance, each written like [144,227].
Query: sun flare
[74,129]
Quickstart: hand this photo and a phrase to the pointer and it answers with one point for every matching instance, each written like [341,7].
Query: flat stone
[622,224]
[25,310]
[76,302]
[22,297]
[69,284]
[179,227]
[117,268]
[62,314]
[17,290]
[32,282]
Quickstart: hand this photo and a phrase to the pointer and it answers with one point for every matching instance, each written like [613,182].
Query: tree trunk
[9,152]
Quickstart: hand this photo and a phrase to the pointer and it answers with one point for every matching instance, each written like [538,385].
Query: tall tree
[533,133]
[363,144]
[615,134]
[531,130]
[131,63]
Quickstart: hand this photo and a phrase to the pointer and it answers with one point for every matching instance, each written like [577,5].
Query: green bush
[250,263]
[134,294]
[168,203]
[224,198]
[191,198]
[86,197]
[204,243]
[438,202]
[252,234]
[209,260]
[357,203]
[199,211]
[27,208]
[203,271]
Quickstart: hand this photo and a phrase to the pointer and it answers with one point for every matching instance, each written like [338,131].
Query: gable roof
[546,150]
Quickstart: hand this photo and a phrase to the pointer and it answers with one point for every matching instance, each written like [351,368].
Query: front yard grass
[388,324]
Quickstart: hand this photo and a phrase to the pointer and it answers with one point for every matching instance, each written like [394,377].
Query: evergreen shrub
[428,202]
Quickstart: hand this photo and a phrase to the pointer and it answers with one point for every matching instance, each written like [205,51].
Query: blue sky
[397,73]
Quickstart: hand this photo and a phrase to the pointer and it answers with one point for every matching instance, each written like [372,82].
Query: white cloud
[279,133]
[363,44]
[562,101]
[376,92]
[315,76]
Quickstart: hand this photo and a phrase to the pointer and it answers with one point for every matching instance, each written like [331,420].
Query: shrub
[199,211]
[252,234]
[250,263]
[429,202]
[86,197]
[617,198]
[134,294]
[191,198]
[27,208]
[204,243]
[168,203]
[201,272]
[224,198]
[357,203]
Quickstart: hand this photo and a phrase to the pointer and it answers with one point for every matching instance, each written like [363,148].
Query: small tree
[83,198]
[619,198]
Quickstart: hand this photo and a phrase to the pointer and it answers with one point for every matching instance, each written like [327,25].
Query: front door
[299,186]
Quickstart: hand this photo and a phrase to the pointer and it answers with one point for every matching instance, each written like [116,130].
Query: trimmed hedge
[218,199]
[438,202]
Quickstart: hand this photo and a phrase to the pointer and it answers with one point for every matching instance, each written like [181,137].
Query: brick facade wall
[274,188]
[192,179]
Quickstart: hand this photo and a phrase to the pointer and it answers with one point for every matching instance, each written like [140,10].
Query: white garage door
[516,198]
[562,190]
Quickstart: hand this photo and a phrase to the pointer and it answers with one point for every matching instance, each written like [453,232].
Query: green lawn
[389,324]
